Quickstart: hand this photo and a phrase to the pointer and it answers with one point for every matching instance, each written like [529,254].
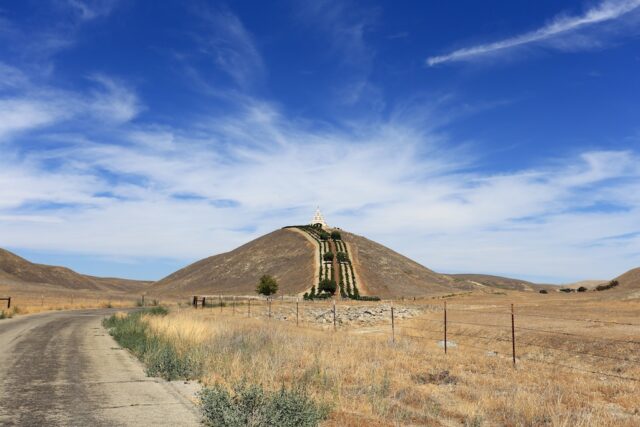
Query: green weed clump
[163,360]
[251,405]
[159,355]
[6,314]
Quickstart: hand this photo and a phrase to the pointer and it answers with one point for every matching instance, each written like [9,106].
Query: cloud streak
[608,10]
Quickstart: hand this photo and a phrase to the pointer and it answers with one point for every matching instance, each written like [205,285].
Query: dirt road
[63,369]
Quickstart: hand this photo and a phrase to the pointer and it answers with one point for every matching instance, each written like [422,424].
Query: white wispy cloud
[36,41]
[35,106]
[17,114]
[559,27]
[231,46]
[92,9]
[344,28]
[114,101]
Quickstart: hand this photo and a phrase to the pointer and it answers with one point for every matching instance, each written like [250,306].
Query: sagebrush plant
[251,405]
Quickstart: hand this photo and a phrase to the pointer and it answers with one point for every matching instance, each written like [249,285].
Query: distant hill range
[292,257]
[504,283]
[19,274]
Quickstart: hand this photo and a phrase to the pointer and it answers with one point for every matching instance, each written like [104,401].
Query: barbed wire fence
[495,331]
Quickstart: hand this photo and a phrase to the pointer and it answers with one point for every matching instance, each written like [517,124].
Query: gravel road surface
[63,369]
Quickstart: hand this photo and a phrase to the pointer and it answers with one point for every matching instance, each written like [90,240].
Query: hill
[388,274]
[286,255]
[16,272]
[290,255]
[505,283]
[630,279]
[629,283]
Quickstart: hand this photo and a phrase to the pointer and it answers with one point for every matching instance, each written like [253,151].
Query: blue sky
[490,137]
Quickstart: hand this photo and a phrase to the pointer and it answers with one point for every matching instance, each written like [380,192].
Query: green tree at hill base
[267,285]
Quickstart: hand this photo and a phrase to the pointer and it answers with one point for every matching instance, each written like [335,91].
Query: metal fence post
[513,336]
[233,304]
[297,311]
[249,307]
[269,308]
[220,303]
[445,327]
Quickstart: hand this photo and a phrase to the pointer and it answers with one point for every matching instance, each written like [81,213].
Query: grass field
[29,303]
[578,372]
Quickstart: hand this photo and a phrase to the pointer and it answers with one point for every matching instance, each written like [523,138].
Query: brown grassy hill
[630,279]
[505,283]
[284,254]
[386,273]
[16,272]
[629,284]
[289,256]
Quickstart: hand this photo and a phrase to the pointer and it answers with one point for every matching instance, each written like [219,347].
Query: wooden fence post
[143,300]
[445,327]
[233,305]
[513,336]
[249,308]
[220,303]
[297,311]
[195,302]
[334,316]
[393,326]
[204,302]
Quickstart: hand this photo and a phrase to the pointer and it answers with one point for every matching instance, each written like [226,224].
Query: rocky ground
[362,315]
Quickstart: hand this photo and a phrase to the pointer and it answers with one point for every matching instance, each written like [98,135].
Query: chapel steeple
[318,218]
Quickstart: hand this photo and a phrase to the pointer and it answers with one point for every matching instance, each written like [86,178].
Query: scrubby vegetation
[159,355]
[179,353]
[327,286]
[611,284]
[251,405]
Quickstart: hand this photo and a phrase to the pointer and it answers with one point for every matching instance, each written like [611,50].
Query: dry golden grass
[371,381]
[31,303]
